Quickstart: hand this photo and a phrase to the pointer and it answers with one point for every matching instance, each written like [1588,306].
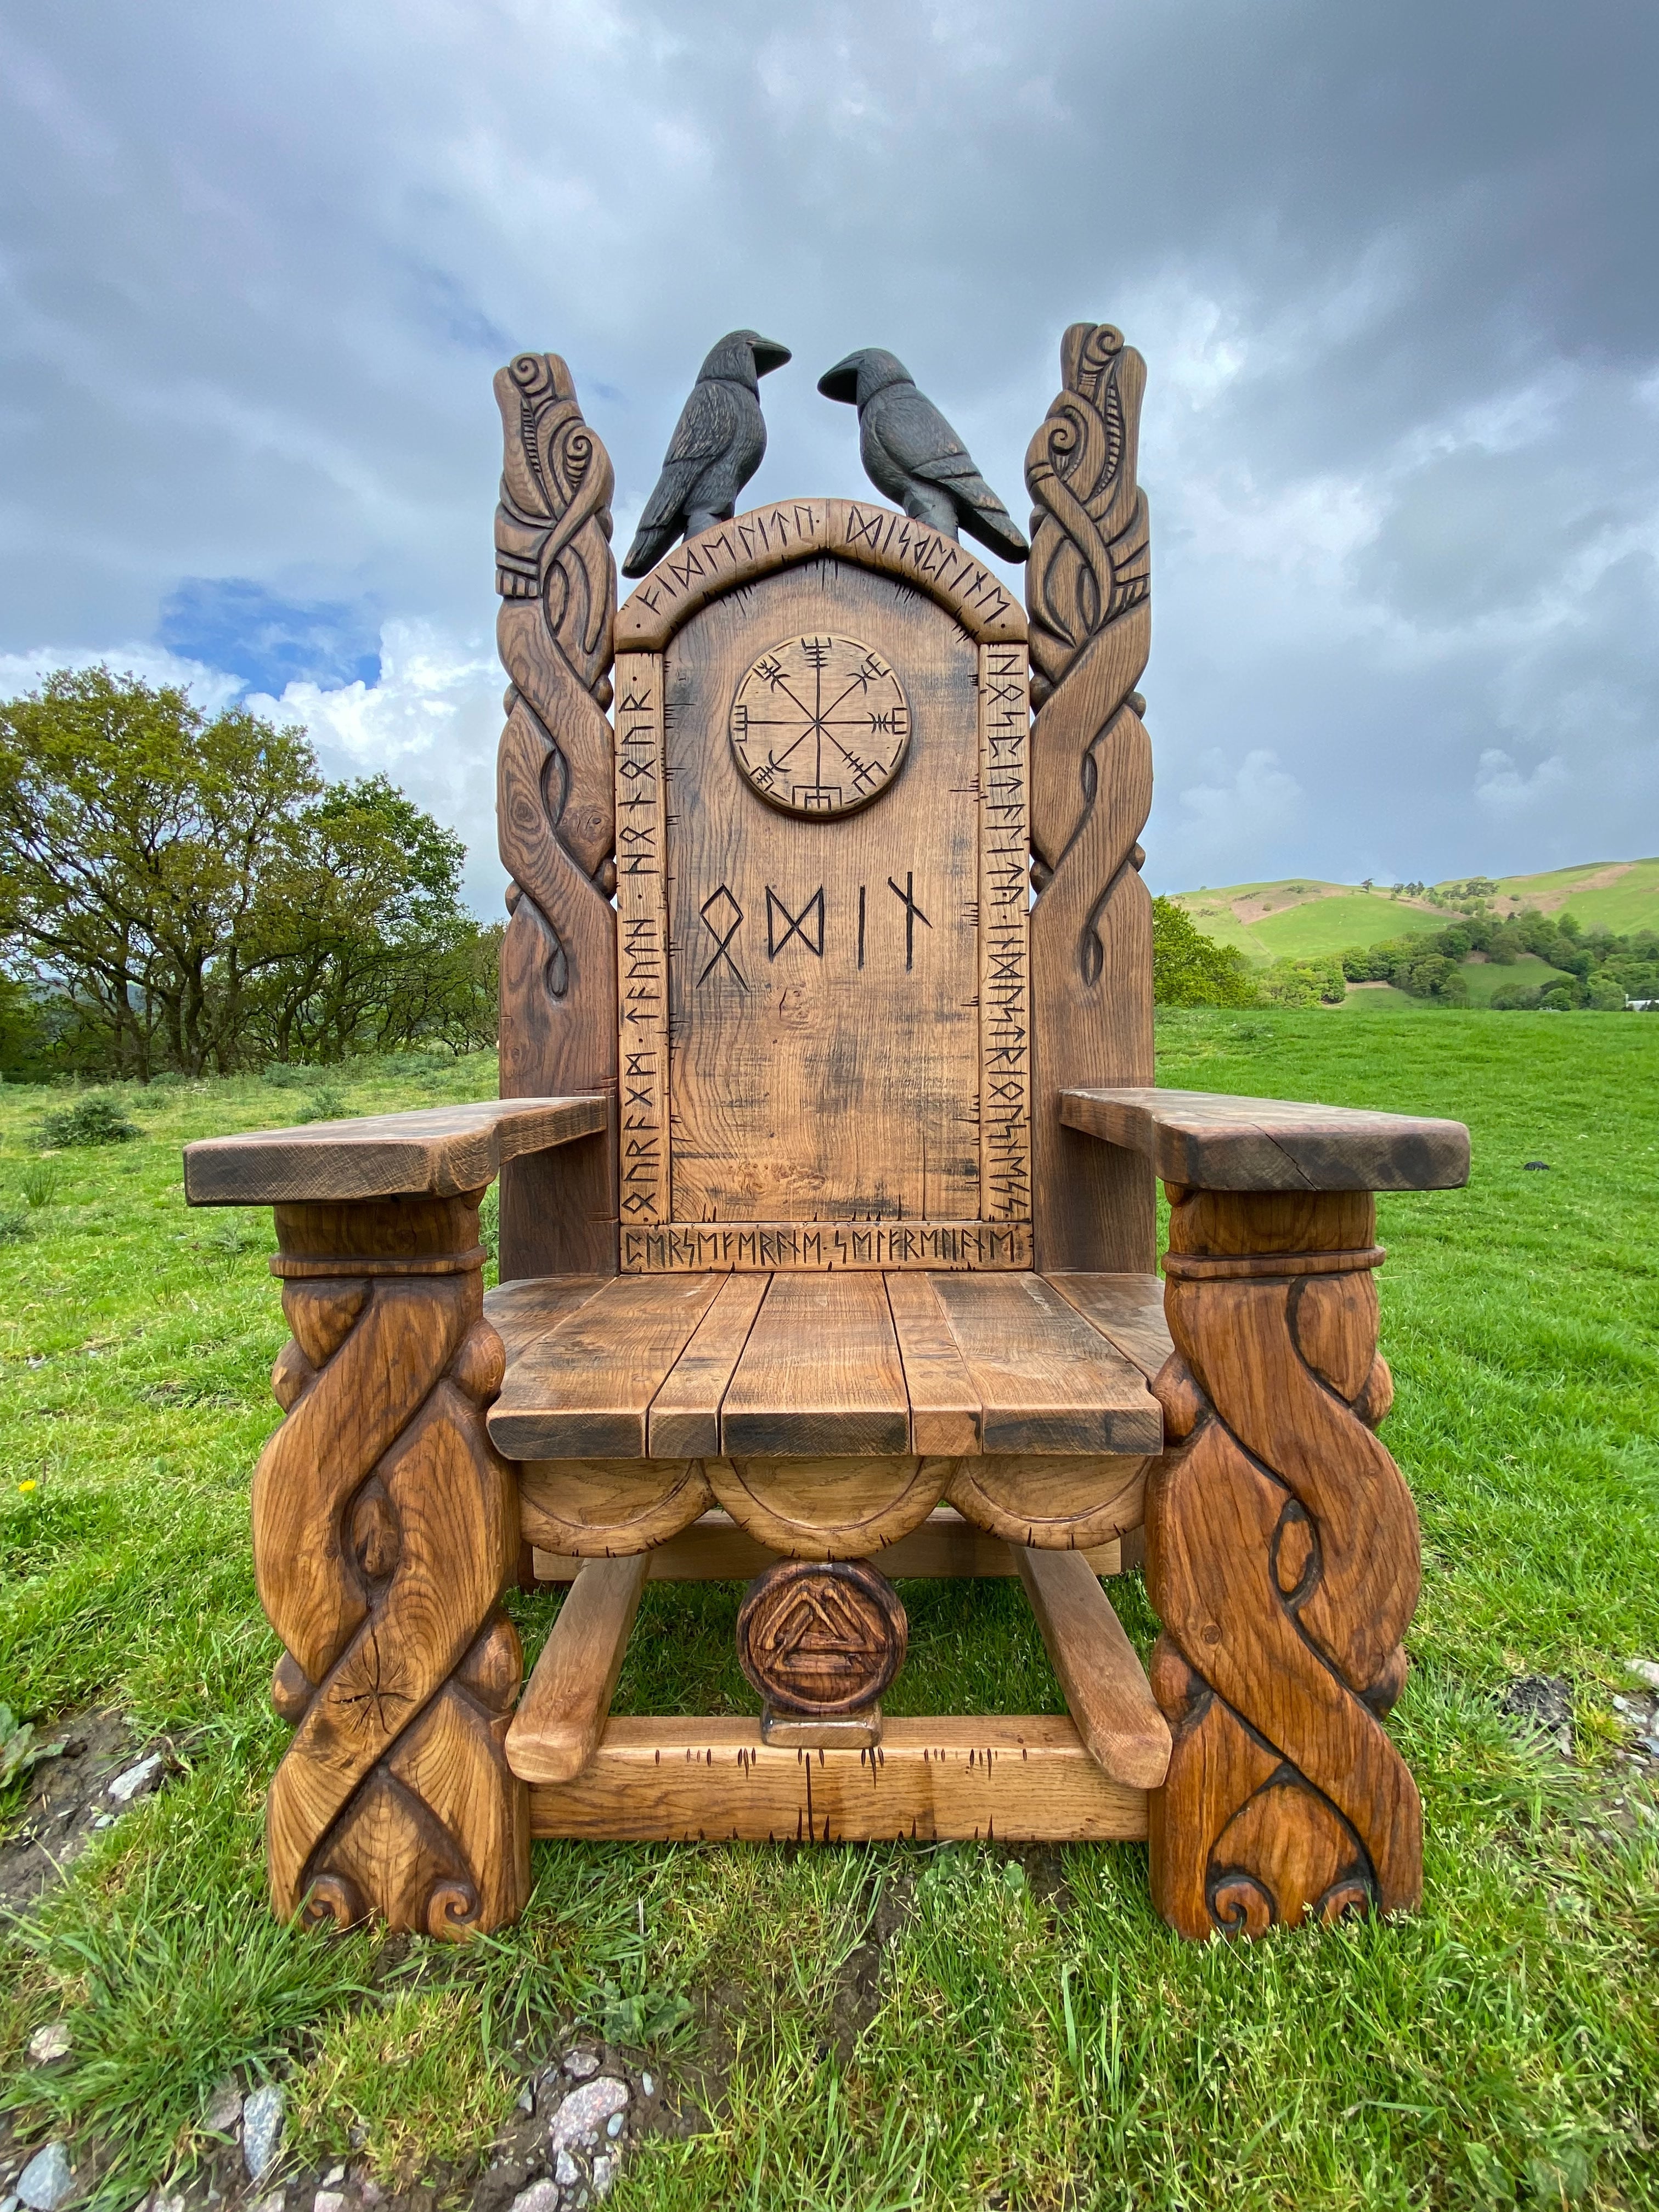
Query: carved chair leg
[1283,1561]
[385,1528]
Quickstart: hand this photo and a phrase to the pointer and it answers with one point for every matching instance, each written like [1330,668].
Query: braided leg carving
[1283,1560]
[384,1526]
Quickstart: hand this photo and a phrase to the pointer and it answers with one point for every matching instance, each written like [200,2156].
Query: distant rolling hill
[1301,916]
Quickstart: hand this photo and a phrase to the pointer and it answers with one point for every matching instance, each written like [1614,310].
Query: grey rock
[604,2172]
[271,2202]
[224,2110]
[648,2085]
[581,2065]
[49,2042]
[168,2204]
[1645,1670]
[105,1820]
[46,2182]
[371,2191]
[540,2196]
[613,2126]
[127,1786]
[262,2130]
[586,2111]
[9,2204]
[566,2171]
[526,2098]
[334,2177]
[328,2200]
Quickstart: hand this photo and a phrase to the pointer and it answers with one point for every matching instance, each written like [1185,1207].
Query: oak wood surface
[823,1637]
[1053,1501]
[586,1387]
[945,1404]
[855,533]
[1127,1309]
[714,1548]
[568,1698]
[832,1508]
[1012,1779]
[1047,1381]
[684,1419]
[820,1373]
[436,1151]
[1220,1143]
[1087,588]
[522,1312]
[1282,1559]
[608,1508]
[554,811]
[1106,1689]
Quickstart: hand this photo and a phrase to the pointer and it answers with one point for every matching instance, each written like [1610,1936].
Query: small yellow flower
[30,1485]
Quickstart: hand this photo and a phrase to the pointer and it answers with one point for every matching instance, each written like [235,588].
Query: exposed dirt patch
[69,1801]
[856,1998]
[1549,901]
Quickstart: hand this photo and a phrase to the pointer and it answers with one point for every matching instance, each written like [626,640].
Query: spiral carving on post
[384,1526]
[1088,597]
[554,784]
[1282,1558]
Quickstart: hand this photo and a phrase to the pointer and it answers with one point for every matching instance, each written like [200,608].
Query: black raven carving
[911,453]
[718,444]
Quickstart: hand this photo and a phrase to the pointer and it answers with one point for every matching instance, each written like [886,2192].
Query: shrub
[95,1119]
[1304,983]
[1191,969]
[327,1105]
[39,1182]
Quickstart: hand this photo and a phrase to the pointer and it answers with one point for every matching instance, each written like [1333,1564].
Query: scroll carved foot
[385,1529]
[1283,1560]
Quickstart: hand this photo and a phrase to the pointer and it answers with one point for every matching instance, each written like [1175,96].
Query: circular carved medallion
[819,726]
[821,1638]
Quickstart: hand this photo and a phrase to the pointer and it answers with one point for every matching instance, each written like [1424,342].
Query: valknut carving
[821,1639]
[384,1524]
[1282,1558]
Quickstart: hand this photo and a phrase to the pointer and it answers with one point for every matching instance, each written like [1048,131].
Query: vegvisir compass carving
[819,726]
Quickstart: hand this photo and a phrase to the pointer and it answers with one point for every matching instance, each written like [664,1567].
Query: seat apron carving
[829,1153]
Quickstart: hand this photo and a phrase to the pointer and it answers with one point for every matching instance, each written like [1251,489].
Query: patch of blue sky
[267,641]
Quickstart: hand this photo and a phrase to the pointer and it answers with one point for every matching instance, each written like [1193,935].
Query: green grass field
[1305,917]
[896,2026]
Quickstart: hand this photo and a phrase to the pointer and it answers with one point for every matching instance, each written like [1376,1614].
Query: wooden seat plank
[567,1701]
[820,1374]
[1015,1778]
[1218,1143]
[521,1312]
[945,1411]
[1105,1684]
[438,1151]
[584,1388]
[685,1420]
[1048,1382]
[1127,1309]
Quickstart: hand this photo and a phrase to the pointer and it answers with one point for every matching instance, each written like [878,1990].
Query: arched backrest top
[768,539]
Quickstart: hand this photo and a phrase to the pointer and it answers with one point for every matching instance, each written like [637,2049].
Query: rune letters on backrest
[823,851]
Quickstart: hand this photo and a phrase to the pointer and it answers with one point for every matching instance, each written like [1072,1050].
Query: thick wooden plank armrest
[440,1152]
[1212,1142]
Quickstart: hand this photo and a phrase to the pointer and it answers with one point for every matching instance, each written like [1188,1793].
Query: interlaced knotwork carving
[385,1524]
[1282,1558]
[1089,606]
[556,809]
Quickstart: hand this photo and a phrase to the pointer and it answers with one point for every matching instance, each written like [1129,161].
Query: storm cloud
[1393,270]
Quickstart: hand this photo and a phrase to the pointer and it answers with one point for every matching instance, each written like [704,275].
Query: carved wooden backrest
[826,1047]
[822,858]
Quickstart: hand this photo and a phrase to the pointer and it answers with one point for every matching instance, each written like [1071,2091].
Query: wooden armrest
[439,1151]
[1217,1143]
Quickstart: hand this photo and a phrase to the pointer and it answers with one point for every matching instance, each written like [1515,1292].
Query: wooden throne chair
[827,1146]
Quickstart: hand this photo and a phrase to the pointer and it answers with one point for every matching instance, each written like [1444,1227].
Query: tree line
[183,892]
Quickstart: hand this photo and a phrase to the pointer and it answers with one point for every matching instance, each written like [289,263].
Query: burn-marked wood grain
[555,810]
[1191,1137]
[567,1701]
[1087,586]
[1013,1779]
[820,1373]
[384,1531]
[437,1152]
[1282,1558]
[585,1387]
[1004,963]
[1045,1381]
[642,941]
[1106,1689]
[605,1509]
[823,1637]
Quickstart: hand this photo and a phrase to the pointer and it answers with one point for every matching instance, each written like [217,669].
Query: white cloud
[1500,786]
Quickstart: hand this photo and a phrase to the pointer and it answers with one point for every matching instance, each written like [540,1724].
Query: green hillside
[1304,916]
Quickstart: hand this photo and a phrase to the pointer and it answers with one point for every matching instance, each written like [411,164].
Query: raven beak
[769,354]
[841,382]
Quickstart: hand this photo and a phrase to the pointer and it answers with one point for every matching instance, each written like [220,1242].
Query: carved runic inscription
[821,1639]
[819,726]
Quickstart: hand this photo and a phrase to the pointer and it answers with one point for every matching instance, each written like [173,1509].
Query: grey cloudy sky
[1393,269]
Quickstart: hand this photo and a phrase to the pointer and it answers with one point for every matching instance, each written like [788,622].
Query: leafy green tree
[1191,969]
